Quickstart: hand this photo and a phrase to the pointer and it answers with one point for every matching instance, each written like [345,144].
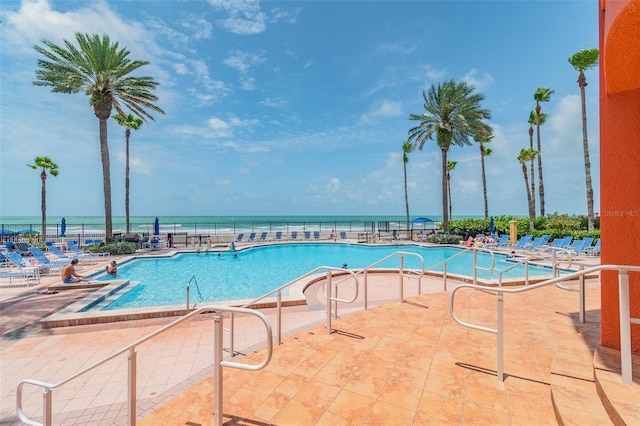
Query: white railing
[625,316]
[47,403]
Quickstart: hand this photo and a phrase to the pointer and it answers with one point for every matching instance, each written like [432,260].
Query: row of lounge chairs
[25,267]
[528,243]
[280,236]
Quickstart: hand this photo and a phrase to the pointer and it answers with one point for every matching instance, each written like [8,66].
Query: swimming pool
[255,271]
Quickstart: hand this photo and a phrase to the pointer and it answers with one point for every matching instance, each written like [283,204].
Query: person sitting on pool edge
[111,268]
[69,274]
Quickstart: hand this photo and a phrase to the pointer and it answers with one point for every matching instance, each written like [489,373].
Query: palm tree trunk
[484,183]
[43,206]
[106,179]
[587,163]
[533,176]
[526,184]
[541,185]
[126,182]
[449,191]
[406,197]
[445,212]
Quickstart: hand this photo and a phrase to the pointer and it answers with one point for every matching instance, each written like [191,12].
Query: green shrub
[113,248]
[443,238]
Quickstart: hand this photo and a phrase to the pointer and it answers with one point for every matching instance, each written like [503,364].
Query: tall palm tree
[450,166]
[533,120]
[582,61]
[524,157]
[454,115]
[542,94]
[100,70]
[484,152]
[128,121]
[407,148]
[44,164]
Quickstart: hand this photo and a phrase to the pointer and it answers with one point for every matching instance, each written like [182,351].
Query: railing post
[500,337]
[401,279]
[582,295]
[217,369]
[329,289]
[625,327]
[444,275]
[365,290]
[131,391]
[188,291]
[554,264]
[279,318]
[334,291]
[47,399]
[232,348]
[526,272]
[475,266]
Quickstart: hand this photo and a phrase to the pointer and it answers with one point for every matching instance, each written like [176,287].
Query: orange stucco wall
[619,159]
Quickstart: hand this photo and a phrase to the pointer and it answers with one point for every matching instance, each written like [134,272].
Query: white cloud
[180,69]
[479,82]
[383,109]
[333,185]
[199,27]
[244,17]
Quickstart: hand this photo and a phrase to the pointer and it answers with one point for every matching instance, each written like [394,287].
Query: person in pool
[112,268]
[69,274]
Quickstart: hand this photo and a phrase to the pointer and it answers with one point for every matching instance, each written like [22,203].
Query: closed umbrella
[491,226]
[156,227]
[63,227]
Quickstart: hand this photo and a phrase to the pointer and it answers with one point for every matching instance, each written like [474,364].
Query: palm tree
[44,163]
[450,166]
[542,94]
[582,61]
[525,156]
[484,152]
[407,148]
[533,119]
[453,113]
[100,70]
[129,121]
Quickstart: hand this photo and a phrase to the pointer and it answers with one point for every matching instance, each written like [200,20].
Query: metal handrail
[475,266]
[131,398]
[192,279]
[625,316]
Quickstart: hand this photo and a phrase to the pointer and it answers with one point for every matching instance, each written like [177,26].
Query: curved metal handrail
[625,318]
[49,387]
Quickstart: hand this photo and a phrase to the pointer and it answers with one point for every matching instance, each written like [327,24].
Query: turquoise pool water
[256,271]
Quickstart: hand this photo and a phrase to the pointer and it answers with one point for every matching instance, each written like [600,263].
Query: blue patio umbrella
[422,220]
[491,226]
[156,227]
[6,232]
[63,227]
[28,231]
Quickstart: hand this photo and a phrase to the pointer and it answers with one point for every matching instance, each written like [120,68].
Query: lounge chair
[593,251]
[81,255]
[294,235]
[239,239]
[21,248]
[316,235]
[26,274]
[538,242]
[44,262]
[523,242]
[501,242]
[263,237]
[20,262]
[156,242]
[57,252]
[252,237]
[343,235]
[307,235]
[278,236]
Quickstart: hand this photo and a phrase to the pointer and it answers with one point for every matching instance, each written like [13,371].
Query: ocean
[216,225]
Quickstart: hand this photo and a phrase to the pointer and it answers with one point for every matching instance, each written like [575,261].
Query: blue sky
[299,107]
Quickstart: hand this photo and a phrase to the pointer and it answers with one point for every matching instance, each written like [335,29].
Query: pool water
[258,270]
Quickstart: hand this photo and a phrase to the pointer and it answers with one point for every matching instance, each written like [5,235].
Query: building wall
[619,160]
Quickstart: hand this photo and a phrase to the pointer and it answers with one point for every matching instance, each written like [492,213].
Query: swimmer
[112,268]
